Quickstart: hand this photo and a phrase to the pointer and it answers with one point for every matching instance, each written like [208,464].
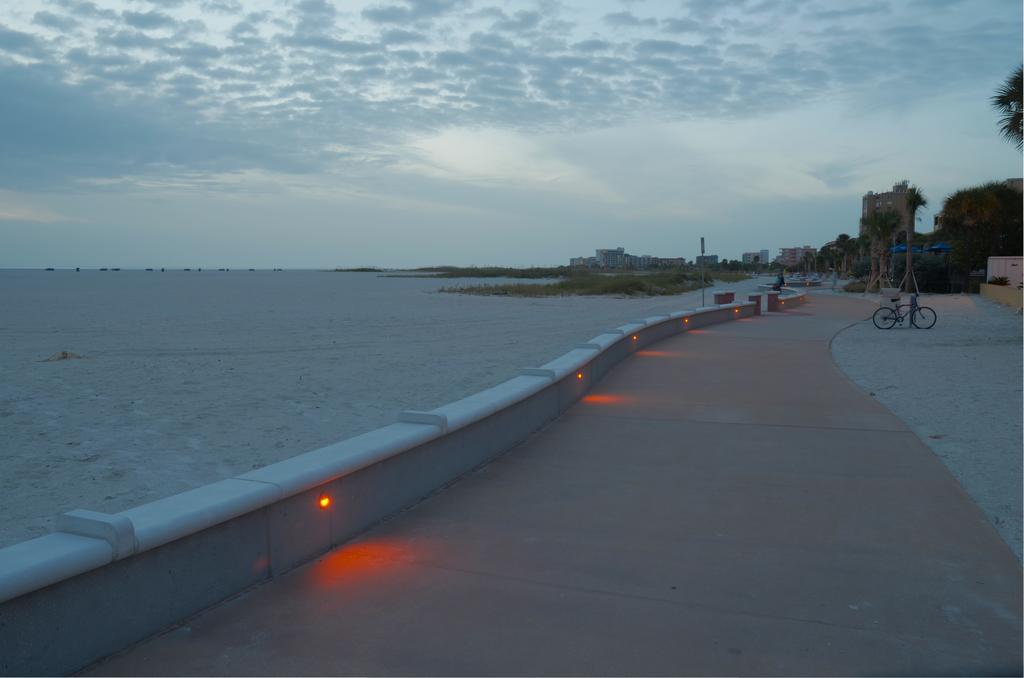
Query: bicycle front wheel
[884,318]
[923,318]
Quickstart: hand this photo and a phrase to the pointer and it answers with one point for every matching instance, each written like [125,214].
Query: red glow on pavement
[647,353]
[364,560]
[605,399]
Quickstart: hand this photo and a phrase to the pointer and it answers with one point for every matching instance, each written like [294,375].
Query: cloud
[522,21]
[148,20]
[489,157]
[282,86]
[411,11]
[592,46]
[58,132]
[19,43]
[628,20]
[849,12]
[675,25]
[11,210]
[54,21]
[85,9]
[330,44]
[397,36]
[222,6]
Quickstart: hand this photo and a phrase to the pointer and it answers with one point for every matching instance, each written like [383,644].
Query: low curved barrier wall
[102,582]
[1001,294]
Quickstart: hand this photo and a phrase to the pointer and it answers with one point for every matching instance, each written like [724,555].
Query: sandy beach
[187,378]
[958,387]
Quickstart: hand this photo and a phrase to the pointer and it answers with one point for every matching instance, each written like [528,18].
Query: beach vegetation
[981,222]
[587,283]
[1000,280]
[930,272]
[532,273]
[724,276]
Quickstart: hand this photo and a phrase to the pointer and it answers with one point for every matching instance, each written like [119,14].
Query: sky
[400,133]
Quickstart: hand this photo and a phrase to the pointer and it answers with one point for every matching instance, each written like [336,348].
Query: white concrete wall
[1009,267]
[102,582]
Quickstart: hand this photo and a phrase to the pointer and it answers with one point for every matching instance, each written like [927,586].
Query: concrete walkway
[726,502]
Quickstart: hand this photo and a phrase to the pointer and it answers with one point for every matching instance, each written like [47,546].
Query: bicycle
[921,317]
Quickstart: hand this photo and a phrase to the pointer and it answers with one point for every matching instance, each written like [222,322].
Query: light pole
[702,271]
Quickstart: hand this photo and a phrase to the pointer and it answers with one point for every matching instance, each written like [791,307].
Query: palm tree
[864,245]
[808,261]
[851,248]
[880,228]
[1007,101]
[845,245]
[821,261]
[915,201]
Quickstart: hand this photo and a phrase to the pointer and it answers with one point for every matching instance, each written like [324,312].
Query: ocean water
[190,377]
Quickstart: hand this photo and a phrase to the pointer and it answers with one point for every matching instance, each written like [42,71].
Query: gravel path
[958,387]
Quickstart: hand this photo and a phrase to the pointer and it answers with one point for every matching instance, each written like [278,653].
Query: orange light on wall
[579,375]
[783,303]
[324,501]
[634,337]
[737,310]
[686,321]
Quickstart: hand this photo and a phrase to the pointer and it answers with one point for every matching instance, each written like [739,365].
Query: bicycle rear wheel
[923,318]
[884,318]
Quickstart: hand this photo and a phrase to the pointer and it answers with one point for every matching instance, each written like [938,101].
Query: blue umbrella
[903,248]
[939,247]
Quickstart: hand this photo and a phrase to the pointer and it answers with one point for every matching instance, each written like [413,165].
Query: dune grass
[489,272]
[727,276]
[627,284]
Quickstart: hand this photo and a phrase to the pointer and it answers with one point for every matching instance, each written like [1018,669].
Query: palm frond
[1008,101]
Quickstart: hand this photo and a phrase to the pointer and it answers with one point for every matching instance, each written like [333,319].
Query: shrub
[931,272]
[855,286]
[1000,280]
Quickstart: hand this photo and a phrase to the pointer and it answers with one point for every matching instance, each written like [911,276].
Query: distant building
[619,258]
[890,201]
[707,260]
[615,258]
[759,257]
[791,256]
